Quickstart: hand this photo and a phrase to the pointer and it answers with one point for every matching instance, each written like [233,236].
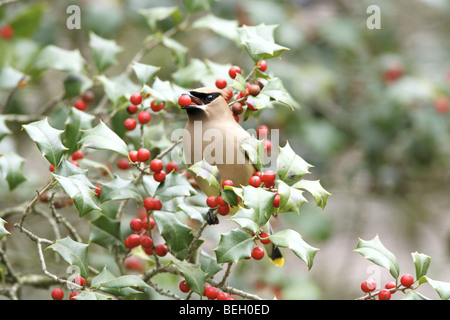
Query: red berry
[157,205]
[88,96]
[148,250]
[442,104]
[237,108]
[267,145]
[51,168]
[80,280]
[130,124]
[156,165]
[258,253]
[143,155]
[268,176]
[98,190]
[159,176]
[262,131]
[74,163]
[384,294]
[146,241]
[223,209]
[276,201]
[184,287]
[211,293]
[6,32]
[212,201]
[221,201]
[171,166]
[233,70]
[390,285]
[156,107]
[73,294]
[184,100]
[134,263]
[222,296]
[407,280]
[161,250]
[258,173]
[144,117]
[123,164]
[254,90]
[251,107]
[136,224]
[132,109]
[255,181]
[221,83]
[57,294]
[80,104]
[264,238]
[133,156]
[227,182]
[149,203]
[151,222]
[132,241]
[136,98]
[368,286]
[77,155]
[263,65]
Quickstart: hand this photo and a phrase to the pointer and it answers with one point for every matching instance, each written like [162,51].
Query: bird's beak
[196,103]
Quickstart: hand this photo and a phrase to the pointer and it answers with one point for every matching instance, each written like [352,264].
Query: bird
[211,122]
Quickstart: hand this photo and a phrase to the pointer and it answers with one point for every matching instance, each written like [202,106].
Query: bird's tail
[273,252]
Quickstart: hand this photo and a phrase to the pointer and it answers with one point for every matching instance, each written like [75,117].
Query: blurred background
[373,121]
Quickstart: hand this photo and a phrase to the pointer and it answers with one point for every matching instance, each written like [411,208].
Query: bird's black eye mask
[202,98]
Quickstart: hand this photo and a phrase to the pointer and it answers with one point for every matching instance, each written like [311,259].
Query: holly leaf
[273,90]
[178,50]
[73,252]
[293,240]
[76,121]
[195,278]
[442,288]
[48,140]
[105,232]
[207,172]
[11,167]
[373,250]
[91,295]
[10,77]
[255,151]
[175,185]
[177,235]
[223,27]
[144,72]
[259,41]
[80,193]
[208,264]
[4,130]
[157,14]
[421,263]
[258,208]
[291,199]
[75,84]
[101,137]
[234,245]
[3,231]
[315,188]
[197,5]
[119,189]
[290,166]
[53,57]
[104,51]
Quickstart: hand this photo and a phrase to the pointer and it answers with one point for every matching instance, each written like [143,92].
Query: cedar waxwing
[212,134]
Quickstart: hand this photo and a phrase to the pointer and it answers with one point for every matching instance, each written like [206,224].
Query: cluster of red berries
[141,226]
[82,102]
[211,292]
[266,179]
[143,116]
[58,293]
[252,89]
[391,287]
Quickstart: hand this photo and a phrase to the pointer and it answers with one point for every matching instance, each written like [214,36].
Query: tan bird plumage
[211,120]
